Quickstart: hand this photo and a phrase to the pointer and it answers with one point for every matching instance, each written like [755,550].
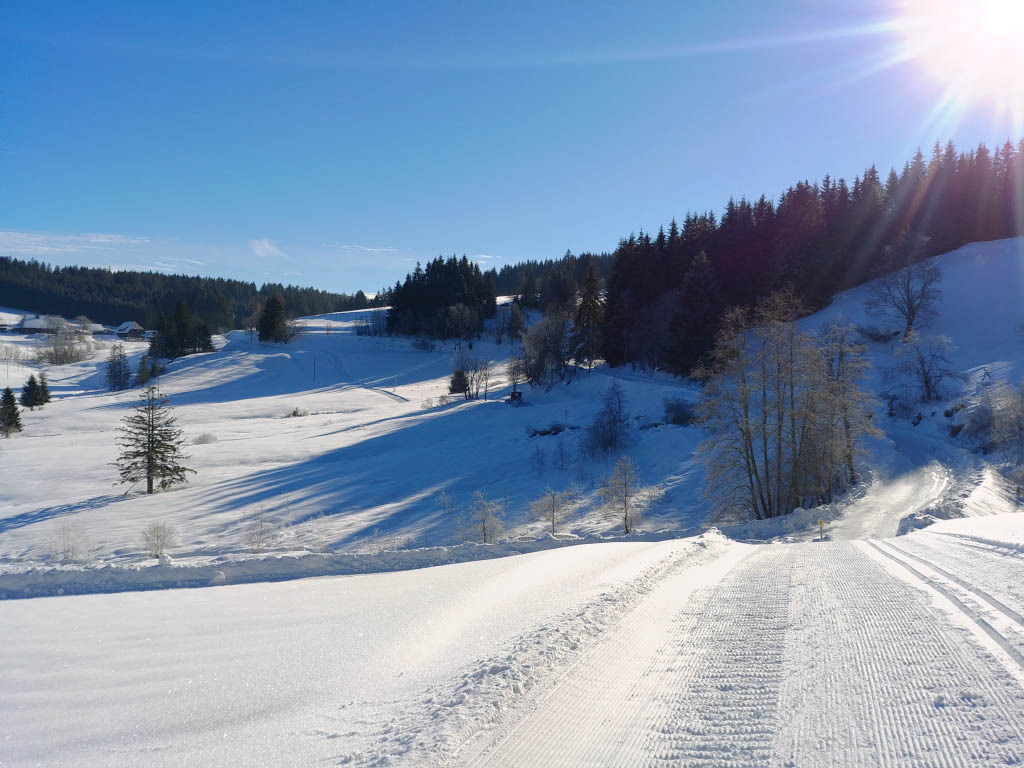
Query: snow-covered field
[703,649]
[359,470]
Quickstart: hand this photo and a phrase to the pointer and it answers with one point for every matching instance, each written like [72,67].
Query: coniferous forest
[666,294]
[449,298]
[114,297]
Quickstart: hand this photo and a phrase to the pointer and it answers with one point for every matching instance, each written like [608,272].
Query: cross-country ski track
[789,655]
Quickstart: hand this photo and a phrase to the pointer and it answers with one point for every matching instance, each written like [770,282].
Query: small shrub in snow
[296,413]
[679,412]
[260,533]
[204,439]
[425,345]
[539,460]
[66,545]
[554,428]
[157,539]
[876,334]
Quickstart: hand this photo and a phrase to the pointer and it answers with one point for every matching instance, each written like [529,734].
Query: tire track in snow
[877,676]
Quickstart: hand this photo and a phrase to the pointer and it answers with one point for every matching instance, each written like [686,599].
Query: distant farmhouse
[131,331]
[43,324]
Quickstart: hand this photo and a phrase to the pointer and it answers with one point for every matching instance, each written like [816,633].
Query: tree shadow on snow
[60,510]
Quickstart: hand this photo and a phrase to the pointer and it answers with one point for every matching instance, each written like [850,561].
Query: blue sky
[335,144]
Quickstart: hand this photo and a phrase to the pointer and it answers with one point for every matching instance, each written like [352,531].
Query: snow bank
[78,580]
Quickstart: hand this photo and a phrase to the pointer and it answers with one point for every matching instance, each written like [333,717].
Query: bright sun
[975,49]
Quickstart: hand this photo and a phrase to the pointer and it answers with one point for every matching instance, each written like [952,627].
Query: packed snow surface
[698,651]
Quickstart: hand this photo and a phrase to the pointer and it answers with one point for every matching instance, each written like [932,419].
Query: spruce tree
[118,374]
[151,443]
[30,393]
[142,377]
[516,321]
[44,390]
[10,418]
[585,340]
[459,384]
[273,324]
[695,322]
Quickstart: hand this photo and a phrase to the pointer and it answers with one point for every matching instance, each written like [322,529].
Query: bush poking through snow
[66,545]
[679,412]
[296,413]
[260,534]
[204,439]
[157,539]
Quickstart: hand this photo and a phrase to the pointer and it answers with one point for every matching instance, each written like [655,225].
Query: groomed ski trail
[780,655]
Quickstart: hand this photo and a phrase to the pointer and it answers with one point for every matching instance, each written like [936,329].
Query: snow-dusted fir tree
[585,340]
[44,390]
[150,443]
[118,374]
[30,393]
[10,418]
[143,374]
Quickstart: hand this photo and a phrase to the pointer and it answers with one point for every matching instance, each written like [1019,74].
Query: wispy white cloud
[362,248]
[263,248]
[45,243]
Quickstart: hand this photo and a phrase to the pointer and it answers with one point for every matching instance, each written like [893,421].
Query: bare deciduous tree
[620,492]
[549,508]
[546,352]
[921,366]
[609,433]
[783,412]
[909,294]
[486,517]
[157,539]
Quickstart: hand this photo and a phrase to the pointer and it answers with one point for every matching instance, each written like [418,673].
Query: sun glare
[973,48]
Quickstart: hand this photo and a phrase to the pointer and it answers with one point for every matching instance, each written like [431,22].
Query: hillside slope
[361,467]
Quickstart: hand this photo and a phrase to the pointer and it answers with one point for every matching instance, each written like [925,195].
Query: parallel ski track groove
[994,602]
[885,657]
[969,612]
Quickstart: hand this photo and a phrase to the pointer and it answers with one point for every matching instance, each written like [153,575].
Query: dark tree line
[666,294]
[448,298]
[183,333]
[516,279]
[114,297]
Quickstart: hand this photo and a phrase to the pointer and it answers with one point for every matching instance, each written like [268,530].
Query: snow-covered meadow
[740,644]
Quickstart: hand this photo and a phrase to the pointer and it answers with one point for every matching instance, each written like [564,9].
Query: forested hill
[114,297]
[666,294]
